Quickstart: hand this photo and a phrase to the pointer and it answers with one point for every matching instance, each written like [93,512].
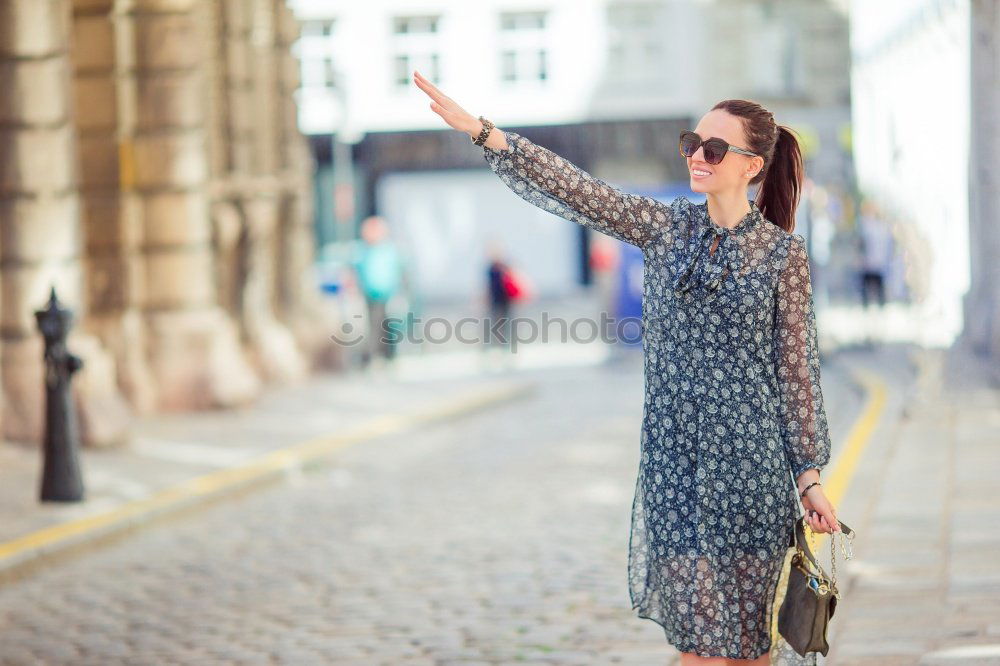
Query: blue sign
[630,266]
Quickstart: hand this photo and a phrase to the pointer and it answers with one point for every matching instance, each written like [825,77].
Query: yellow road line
[836,482]
[264,465]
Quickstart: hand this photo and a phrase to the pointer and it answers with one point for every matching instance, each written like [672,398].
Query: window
[779,70]
[415,46]
[318,72]
[522,21]
[634,41]
[508,64]
[402,69]
[405,25]
[429,65]
[316,53]
[317,28]
[329,75]
[523,53]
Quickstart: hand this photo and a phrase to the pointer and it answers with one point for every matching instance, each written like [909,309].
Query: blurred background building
[911,120]
[606,84]
[926,93]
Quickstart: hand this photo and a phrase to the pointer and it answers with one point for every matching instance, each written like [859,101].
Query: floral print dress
[732,412]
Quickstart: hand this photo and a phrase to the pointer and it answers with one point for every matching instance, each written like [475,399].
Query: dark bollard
[61,480]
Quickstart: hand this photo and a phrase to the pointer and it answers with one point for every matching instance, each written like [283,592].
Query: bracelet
[485,132]
[803,493]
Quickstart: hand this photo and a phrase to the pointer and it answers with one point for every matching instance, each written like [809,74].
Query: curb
[25,553]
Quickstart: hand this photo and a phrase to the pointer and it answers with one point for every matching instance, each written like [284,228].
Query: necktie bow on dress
[704,268]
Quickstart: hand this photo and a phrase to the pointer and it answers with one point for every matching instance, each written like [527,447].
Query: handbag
[811,597]
[515,285]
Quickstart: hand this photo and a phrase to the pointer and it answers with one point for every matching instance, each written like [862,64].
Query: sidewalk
[179,461]
[923,586]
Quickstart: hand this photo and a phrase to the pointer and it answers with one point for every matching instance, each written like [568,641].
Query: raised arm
[804,429]
[554,184]
[544,179]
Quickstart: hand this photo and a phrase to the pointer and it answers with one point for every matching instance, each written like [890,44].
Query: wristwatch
[485,132]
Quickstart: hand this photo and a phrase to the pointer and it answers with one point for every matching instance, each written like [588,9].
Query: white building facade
[559,63]
[507,59]
[911,110]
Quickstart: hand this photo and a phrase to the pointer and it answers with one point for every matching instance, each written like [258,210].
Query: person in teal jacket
[380,271]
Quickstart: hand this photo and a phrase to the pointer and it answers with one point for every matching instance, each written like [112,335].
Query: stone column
[299,302]
[195,355]
[277,349]
[247,182]
[101,55]
[39,209]
[40,225]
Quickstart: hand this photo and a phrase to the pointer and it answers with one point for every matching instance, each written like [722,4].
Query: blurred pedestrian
[379,268]
[604,264]
[877,247]
[499,297]
[505,287]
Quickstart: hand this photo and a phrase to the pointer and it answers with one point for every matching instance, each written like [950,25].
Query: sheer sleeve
[804,430]
[544,179]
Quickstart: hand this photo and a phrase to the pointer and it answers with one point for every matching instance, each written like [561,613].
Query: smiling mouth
[699,172]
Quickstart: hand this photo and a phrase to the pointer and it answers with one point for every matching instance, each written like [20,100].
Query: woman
[732,377]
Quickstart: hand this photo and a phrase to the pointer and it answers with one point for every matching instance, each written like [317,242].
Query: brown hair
[782,173]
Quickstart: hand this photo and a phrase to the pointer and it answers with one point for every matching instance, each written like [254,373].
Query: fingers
[822,522]
[448,116]
[457,117]
[816,522]
[426,83]
[430,89]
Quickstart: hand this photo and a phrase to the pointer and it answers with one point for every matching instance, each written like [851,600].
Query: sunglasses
[715,148]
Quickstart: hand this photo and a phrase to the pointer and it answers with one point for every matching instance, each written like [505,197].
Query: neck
[728,209]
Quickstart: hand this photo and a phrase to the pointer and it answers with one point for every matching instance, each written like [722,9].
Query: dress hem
[679,645]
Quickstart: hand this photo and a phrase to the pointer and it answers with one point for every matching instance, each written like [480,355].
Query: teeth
[700,173]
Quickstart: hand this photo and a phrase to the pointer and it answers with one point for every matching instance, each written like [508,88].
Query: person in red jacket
[501,292]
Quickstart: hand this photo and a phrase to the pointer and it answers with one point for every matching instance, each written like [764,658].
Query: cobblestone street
[500,537]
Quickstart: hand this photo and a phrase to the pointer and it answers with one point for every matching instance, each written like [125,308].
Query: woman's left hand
[820,514]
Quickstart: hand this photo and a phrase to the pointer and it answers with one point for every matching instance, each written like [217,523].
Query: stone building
[151,170]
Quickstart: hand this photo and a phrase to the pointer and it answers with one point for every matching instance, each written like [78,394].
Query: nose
[699,155]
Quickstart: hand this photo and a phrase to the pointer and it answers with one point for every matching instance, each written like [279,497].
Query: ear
[756,164]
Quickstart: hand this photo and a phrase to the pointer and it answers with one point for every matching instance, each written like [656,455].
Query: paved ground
[498,538]
[170,449]
[925,586]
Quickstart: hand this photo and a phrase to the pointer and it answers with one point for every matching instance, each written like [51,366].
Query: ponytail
[778,196]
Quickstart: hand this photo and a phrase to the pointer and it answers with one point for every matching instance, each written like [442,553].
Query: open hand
[447,108]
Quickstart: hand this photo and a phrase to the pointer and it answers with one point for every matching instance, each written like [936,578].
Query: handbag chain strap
[848,552]
[846,549]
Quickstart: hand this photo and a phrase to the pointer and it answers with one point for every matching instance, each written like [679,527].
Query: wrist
[808,489]
[475,127]
[806,477]
[484,132]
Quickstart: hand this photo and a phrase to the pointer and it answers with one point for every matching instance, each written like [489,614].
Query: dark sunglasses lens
[715,150]
[689,143]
